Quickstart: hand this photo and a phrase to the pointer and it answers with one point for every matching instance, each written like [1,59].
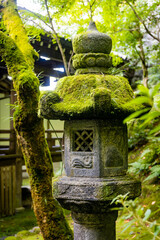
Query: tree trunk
[30,130]
[144,65]
[142,56]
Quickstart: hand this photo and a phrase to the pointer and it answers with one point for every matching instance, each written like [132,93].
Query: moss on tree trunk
[30,131]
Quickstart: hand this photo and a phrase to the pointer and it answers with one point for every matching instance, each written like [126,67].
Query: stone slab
[93,195]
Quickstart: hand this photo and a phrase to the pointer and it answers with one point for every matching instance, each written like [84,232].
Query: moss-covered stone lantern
[92,104]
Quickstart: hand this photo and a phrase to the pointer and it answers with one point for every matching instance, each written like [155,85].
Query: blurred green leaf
[135,115]
[147,214]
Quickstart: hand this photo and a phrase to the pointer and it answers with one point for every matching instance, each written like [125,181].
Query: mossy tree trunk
[19,58]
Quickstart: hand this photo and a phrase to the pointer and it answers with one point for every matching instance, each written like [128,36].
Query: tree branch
[57,39]
[126,29]
[141,20]
[90,6]
[37,16]
[49,33]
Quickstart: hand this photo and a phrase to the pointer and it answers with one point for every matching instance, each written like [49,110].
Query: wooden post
[13,99]
[7,190]
[49,136]
[16,150]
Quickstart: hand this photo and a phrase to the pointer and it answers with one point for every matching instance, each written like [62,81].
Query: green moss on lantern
[89,96]
[93,42]
[91,60]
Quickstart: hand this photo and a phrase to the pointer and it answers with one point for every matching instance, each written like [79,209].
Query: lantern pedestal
[94,226]
[89,200]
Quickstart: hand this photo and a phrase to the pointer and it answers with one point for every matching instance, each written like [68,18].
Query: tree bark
[143,60]
[30,130]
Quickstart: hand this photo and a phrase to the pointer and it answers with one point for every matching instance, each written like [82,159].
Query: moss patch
[91,60]
[14,27]
[24,233]
[89,96]
[20,221]
[12,238]
[35,237]
[92,41]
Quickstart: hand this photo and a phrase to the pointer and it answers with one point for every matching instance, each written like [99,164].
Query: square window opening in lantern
[83,140]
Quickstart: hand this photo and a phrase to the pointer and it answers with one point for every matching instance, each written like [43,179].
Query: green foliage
[147,163]
[115,17]
[139,217]
[24,233]
[145,127]
[136,138]
[154,173]
[148,100]
[116,60]
[129,34]
[37,23]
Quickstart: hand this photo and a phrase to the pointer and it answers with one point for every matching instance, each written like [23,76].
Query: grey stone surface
[93,195]
[109,154]
[95,226]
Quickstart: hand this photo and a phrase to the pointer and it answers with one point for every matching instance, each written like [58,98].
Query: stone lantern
[92,104]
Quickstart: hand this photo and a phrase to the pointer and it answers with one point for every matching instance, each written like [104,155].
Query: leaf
[154,90]
[151,176]
[147,214]
[150,116]
[139,101]
[119,198]
[142,90]
[157,230]
[155,130]
[128,225]
[135,115]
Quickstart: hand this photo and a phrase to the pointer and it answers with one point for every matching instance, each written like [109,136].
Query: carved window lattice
[83,140]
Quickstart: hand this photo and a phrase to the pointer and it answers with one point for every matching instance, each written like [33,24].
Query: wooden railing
[8,145]
[55,144]
[7,142]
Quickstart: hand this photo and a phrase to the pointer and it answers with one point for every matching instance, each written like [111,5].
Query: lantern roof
[92,93]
